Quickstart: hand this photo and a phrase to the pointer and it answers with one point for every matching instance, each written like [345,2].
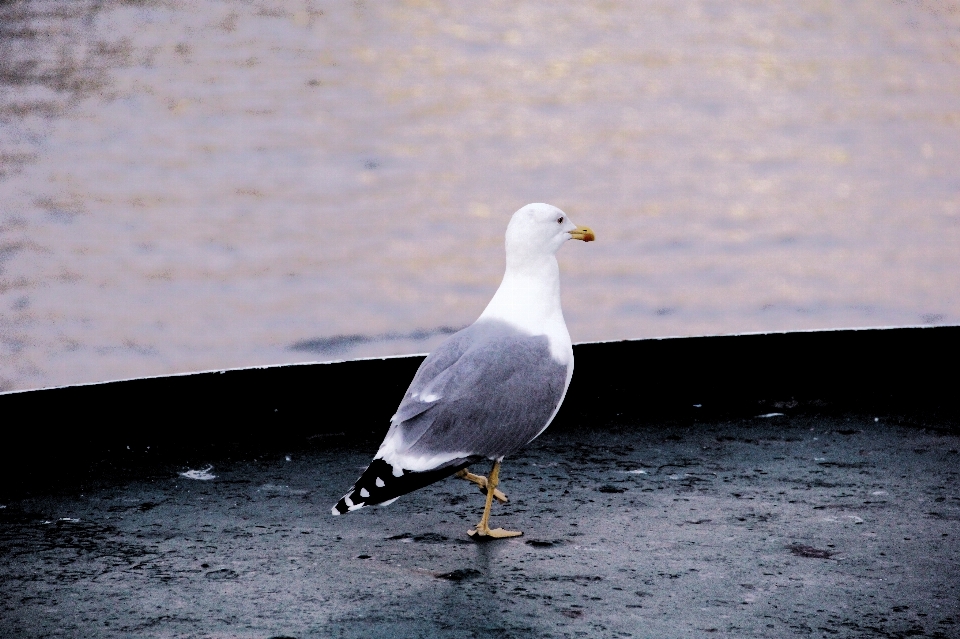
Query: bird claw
[492,533]
[488,486]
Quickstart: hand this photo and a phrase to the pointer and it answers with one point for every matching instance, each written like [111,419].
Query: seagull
[490,389]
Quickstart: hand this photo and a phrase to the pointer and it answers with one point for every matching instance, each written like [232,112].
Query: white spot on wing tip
[356,506]
[364,492]
[380,483]
[347,500]
[335,511]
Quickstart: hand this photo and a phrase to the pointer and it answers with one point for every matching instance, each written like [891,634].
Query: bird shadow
[461,599]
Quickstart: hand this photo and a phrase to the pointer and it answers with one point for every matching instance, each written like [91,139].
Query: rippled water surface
[195,185]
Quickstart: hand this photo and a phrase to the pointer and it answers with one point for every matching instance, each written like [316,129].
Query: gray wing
[487,391]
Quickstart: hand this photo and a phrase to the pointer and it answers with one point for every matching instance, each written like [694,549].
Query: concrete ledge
[127,424]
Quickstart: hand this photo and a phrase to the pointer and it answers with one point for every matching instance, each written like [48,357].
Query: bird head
[540,230]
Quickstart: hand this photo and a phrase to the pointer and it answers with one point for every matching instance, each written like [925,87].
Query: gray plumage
[497,390]
[484,393]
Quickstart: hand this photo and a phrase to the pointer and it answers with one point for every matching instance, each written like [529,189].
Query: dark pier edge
[72,435]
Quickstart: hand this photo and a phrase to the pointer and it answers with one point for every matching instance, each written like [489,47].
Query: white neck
[529,299]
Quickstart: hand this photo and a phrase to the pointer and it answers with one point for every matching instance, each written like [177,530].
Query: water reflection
[342,343]
[200,185]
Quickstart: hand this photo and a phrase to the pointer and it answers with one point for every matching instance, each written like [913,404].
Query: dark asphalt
[763,527]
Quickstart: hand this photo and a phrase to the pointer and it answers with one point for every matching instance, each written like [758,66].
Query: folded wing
[484,393]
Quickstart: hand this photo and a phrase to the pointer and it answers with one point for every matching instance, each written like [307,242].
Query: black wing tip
[346,503]
[371,489]
[380,485]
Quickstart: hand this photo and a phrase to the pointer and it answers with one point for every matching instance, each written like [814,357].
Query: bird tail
[379,485]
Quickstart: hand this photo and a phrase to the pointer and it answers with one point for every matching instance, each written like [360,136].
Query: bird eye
[560,220]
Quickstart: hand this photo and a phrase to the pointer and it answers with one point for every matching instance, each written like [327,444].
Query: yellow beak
[583,233]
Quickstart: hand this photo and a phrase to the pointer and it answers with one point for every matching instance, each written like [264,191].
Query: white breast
[529,300]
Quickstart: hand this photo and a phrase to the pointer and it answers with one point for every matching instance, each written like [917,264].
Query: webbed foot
[492,533]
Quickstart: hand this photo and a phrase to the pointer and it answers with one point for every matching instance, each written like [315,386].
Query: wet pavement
[782,525]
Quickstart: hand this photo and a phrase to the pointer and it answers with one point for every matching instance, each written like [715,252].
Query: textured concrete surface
[763,527]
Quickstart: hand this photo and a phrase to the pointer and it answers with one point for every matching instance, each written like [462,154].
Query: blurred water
[195,185]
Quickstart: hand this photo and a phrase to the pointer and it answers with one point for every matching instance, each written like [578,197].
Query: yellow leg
[481,483]
[483,528]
